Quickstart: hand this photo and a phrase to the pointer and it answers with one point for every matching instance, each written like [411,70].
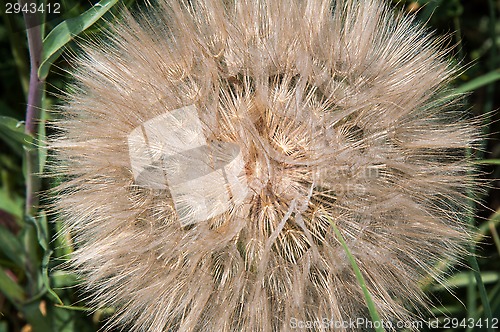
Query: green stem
[33,110]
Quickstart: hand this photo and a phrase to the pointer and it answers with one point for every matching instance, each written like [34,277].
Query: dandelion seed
[207,145]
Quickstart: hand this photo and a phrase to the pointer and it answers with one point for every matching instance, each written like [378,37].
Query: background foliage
[37,294]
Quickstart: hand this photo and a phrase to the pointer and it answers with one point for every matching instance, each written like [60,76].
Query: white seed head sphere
[208,145]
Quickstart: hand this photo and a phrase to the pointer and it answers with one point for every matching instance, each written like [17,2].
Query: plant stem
[33,110]
[31,160]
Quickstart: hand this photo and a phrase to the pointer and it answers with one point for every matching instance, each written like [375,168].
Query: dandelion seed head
[209,145]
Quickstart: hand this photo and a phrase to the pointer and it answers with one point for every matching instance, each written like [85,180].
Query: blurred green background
[37,294]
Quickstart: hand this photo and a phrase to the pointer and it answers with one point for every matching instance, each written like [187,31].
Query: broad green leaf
[12,133]
[479,82]
[62,34]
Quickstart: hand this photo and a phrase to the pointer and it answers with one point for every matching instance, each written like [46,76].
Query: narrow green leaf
[462,279]
[76,308]
[494,297]
[482,290]
[12,205]
[46,279]
[471,299]
[12,133]
[11,247]
[63,33]
[448,310]
[377,322]
[11,289]
[494,234]
[41,228]
[479,82]
[488,162]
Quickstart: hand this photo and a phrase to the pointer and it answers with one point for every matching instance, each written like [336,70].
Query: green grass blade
[74,308]
[494,234]
[63,33]
[482,290]
[488,162]
[11,290]
[479,82]
[494,301]
[46,279]
[11,204]
[462,279]
[471,304]
[11,247]
[377,322]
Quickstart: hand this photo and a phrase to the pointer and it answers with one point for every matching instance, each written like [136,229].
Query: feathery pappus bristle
[208,145]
